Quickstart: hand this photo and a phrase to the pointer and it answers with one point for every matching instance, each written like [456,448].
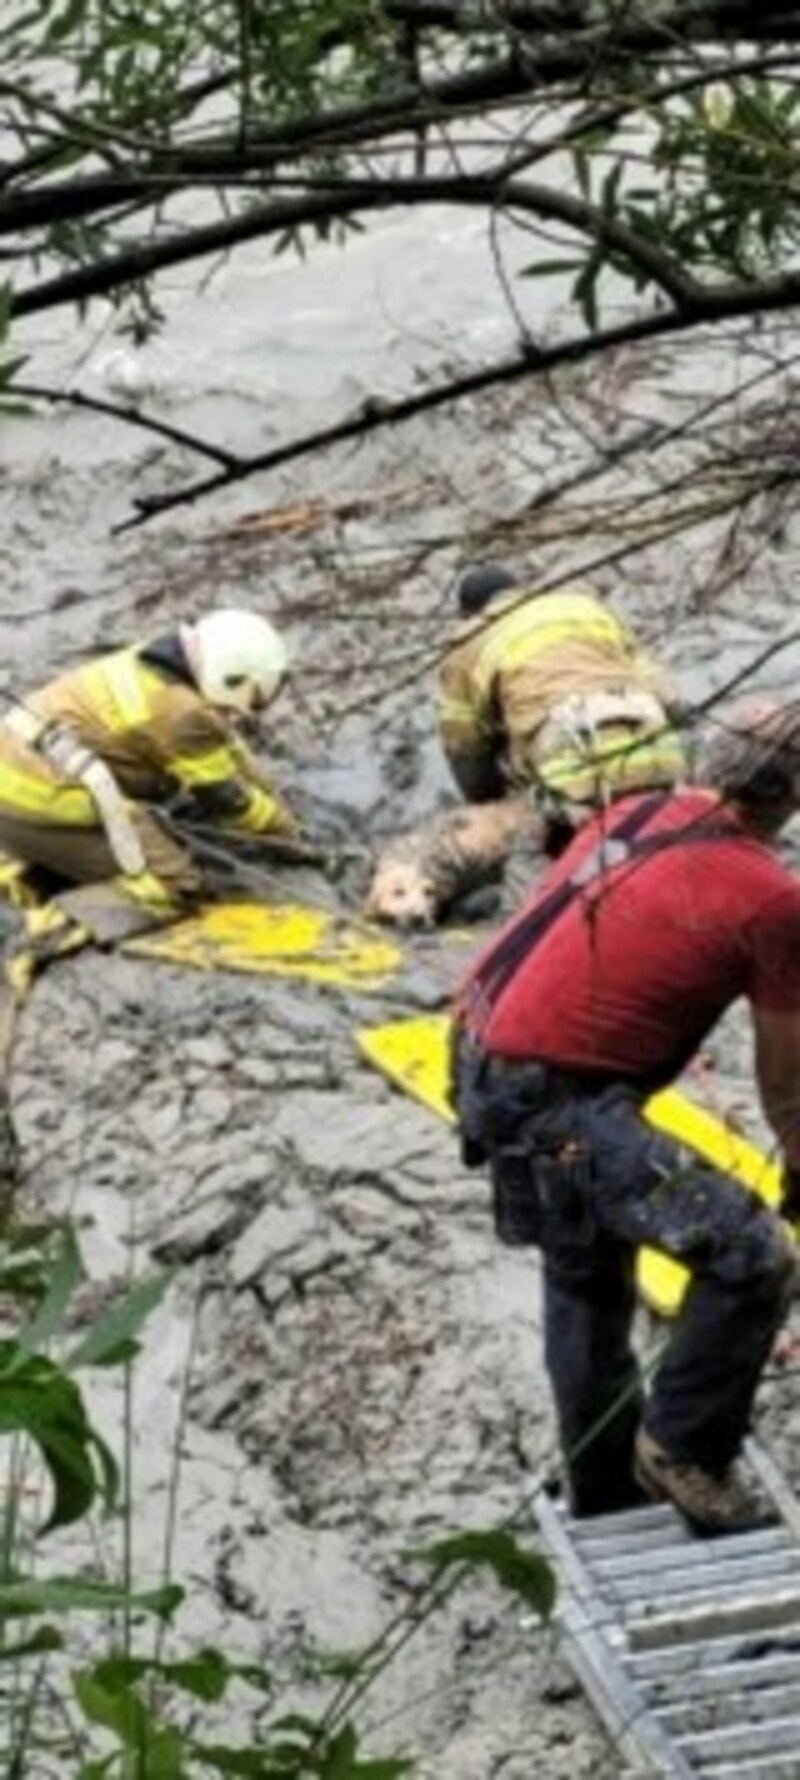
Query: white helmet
[237,658]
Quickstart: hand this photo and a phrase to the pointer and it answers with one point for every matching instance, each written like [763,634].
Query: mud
[345,1361]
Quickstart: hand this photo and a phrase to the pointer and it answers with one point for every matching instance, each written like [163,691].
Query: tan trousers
[83,855]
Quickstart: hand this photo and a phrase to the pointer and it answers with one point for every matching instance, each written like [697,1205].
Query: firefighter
[547,710]
[87,760]
[659,915]
[550,692]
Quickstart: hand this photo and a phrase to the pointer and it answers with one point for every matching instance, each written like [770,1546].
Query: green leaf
[251,1764]
[77,1594]
[525,1573]
[340,1761]
[120,1325]
[6,302]
[608,196]
[67,1273]
[342,1665]
[122,1713]
[26,1258]
[66,22]
[548,268]
[296,1721]
[584,290]
[9,368]
[159,1749]
[342,1749]
[46,1637]
[583,171]
[390,1768]
[37,1399]
[205,1675]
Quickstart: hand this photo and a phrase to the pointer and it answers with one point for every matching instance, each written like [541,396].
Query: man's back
[133,717]
[631,976]
[518,662]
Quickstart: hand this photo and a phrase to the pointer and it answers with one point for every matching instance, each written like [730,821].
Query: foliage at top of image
[293,122]
[644,159]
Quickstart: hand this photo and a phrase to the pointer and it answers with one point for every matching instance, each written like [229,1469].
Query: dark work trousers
[607,1183]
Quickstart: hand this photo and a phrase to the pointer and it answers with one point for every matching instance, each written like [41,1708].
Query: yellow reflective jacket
[520,660]
[157,735]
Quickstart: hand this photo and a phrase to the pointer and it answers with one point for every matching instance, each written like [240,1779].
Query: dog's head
[402,894]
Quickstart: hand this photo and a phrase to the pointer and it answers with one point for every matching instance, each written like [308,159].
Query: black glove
[790,1194]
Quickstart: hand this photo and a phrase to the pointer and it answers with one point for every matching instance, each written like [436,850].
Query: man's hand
[291,849]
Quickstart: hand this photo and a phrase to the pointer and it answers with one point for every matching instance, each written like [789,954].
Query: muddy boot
[20,885]
[118,909]
[46,933]
[711,1504]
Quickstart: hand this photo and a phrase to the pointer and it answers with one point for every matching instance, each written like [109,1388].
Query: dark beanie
[479,584]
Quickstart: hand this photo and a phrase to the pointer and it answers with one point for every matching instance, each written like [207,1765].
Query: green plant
[130,1713]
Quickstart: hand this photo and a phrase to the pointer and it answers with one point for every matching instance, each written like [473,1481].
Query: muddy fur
[420,875]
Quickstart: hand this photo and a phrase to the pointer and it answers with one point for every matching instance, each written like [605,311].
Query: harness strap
[617,848]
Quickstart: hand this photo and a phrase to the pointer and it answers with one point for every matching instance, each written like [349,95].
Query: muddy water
[346,1362]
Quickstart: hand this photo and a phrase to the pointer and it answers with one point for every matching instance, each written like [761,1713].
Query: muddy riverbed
[350,1365]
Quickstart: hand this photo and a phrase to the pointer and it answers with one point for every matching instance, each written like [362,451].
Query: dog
[420,875]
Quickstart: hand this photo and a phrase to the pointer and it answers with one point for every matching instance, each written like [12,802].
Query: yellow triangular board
[284,941]
[413,1054]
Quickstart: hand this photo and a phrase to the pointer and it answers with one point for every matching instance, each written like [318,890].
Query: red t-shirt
[638,968]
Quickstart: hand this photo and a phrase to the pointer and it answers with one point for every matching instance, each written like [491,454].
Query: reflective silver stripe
[122,836]
[26,725]
[73,761]
[585,712]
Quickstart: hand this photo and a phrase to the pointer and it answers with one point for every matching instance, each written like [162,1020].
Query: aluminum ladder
[688,1648]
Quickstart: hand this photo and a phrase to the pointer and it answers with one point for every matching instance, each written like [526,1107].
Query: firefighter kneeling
[86,761]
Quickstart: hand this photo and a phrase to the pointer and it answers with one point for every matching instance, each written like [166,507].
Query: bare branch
[74,398]
[378,413]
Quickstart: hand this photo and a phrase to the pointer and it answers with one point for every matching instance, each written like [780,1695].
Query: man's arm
[777,1064]
[476,772]
[469,734]
[225,779]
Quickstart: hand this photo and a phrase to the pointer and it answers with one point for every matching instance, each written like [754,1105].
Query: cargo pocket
[563,1182]
[516,1202]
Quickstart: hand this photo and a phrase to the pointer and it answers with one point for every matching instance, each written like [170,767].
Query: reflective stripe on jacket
[522,657]
[157,735]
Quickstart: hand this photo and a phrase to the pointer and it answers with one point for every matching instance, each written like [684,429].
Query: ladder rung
[689,1649]
[749,1647]
[723,1576]
[781,1735]
[737,1707]
[773,1767]
[772,1539]
[729,1678]
[685,1621]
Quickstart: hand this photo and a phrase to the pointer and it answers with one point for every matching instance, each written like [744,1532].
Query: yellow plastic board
[413,1054]
[284,941]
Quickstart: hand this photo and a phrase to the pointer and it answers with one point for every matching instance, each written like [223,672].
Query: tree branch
[345,199]
[693,20]
[74,398]
[346,127]
[378,413]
